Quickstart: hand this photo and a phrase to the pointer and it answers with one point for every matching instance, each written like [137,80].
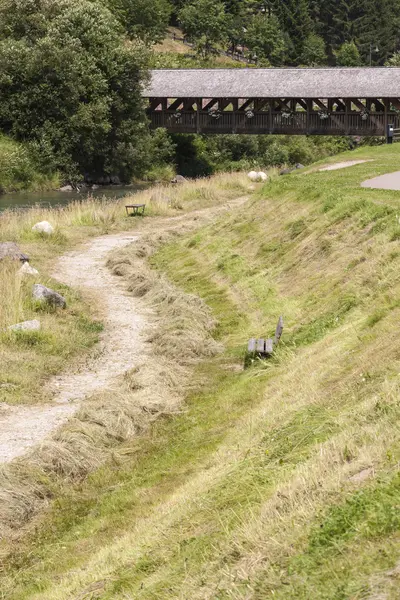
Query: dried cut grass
[11,310]
[180,337]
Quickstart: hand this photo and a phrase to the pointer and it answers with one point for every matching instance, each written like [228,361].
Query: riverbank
[28,360]
[276,478]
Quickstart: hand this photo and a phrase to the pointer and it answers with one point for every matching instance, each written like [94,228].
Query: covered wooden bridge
[320,101]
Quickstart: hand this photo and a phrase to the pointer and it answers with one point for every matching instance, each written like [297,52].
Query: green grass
[256,489]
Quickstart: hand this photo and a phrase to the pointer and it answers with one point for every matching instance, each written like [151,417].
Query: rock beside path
[26,269]
[12,250]
[33,325]
[48,296]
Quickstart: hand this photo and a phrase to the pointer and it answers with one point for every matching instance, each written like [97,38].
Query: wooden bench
[265,347]
[137,209]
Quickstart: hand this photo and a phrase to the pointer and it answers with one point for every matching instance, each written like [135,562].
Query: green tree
[296,21]
[348,55]
[335,21]
[206,24]
[377,30]
[265,39]
[71,86]
[314,51]
[142,19]
[393,61]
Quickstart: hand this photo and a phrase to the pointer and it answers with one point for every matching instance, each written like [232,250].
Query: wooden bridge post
[347,104]
[199,106]
[235,108]
[309,111]
[164,105]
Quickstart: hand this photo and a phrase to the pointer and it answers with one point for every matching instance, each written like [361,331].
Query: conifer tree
[296,22]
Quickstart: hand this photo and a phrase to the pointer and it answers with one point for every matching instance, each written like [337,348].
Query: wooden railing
[274,123]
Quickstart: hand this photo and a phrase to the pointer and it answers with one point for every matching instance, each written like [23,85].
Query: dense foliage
[197,155]
[142,19]
[300,32]
[70,86]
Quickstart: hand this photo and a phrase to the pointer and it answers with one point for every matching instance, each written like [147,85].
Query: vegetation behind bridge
[71,73]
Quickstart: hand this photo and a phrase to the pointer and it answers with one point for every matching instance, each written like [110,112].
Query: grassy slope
[280,481]
[172,54]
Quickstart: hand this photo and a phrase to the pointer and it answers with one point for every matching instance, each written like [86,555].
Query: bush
[71,85]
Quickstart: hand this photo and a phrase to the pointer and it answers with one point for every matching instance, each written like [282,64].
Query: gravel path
[122,346]
[344,165]
[390,181]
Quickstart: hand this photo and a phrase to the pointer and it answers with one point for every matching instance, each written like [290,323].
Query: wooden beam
[282,103]
[320,104]
[302,103]
[358,103]
[210,104]
[259,104]
[188,104]
[395,102]
[340,104]
[175,104]
[246,104]
[154,102]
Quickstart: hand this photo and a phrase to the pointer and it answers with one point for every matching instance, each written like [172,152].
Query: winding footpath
[122,347]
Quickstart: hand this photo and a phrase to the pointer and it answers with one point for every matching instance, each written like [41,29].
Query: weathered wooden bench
[136,209]
[265,347]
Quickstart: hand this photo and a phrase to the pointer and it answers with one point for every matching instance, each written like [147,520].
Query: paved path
[390,181]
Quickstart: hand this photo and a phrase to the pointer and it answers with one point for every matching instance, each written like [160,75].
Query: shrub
[71,85]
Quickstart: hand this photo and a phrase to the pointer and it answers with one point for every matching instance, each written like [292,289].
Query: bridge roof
[355,82]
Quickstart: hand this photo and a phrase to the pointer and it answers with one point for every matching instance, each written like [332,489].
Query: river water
[55,198]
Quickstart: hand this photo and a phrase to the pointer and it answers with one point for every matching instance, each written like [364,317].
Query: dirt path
[122,346]
[343,165]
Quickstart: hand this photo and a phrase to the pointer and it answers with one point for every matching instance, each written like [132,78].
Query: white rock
[26,326]
[66,188]
[26,269]
[252,175]
[261,176]
[43,227]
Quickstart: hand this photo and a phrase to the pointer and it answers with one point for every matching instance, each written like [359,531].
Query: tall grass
[11,306]
[104,215]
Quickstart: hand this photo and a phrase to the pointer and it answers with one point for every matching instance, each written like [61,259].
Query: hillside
[276,481]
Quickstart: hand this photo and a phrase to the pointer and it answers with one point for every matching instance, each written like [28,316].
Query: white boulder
[66,188]
[26,269]
[43,227]
[26,326]
[257,176]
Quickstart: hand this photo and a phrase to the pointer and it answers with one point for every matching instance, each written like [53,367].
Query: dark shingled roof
[365,82]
